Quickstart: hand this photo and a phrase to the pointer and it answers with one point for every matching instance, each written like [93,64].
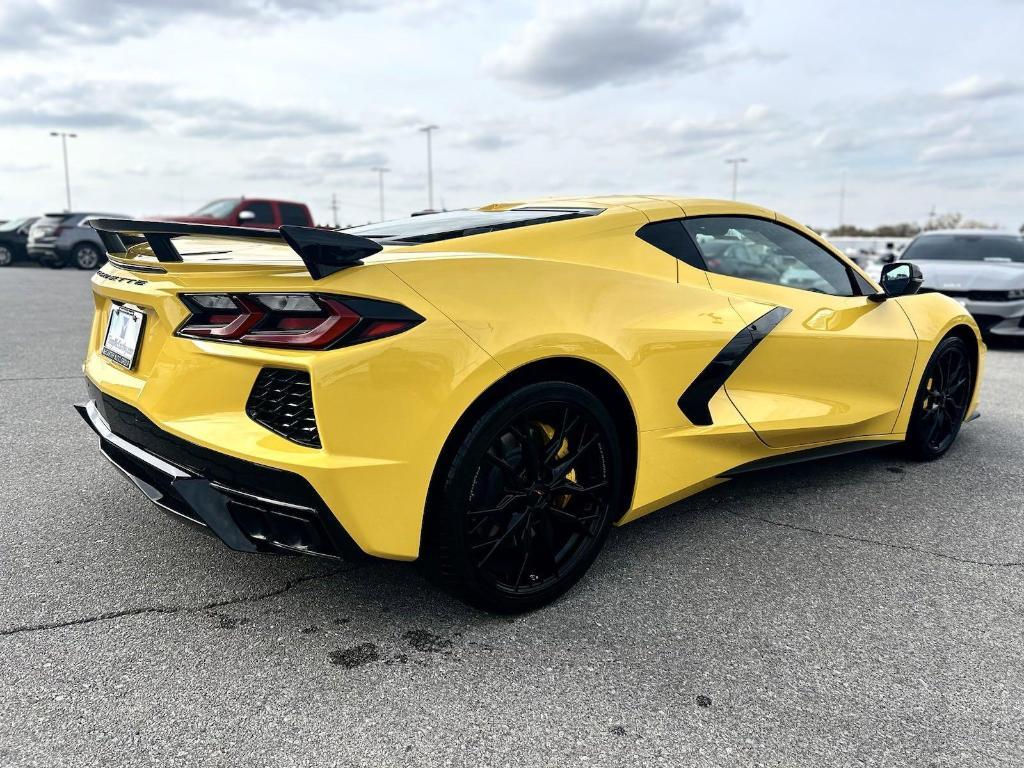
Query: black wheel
[86,256]
[942,400]
[528,499]
[6,256]
[55,263]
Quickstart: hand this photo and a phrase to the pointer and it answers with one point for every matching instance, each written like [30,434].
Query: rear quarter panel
[651,334]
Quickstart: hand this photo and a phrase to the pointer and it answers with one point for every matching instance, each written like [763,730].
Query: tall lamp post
[380,171]
[64,136]
[735,163]
[429,129]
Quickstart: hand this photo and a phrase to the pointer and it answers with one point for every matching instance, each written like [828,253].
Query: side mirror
[900,278]
[244,216]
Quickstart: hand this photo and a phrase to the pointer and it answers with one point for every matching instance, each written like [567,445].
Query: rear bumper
[47,252]
[257,509]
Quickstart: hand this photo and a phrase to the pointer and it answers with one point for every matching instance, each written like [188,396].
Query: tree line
[953,220]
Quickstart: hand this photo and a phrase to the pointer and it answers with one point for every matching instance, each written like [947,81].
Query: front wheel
[528,499]
[6,256]
[942,400]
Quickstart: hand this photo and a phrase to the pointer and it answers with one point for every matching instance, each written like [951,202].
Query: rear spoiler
[323,251]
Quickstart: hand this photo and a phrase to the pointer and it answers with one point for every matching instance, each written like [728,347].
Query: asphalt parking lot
[857,611]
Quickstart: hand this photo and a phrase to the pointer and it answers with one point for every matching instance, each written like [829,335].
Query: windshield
[218,209]
[448,224]
[13,224]
[966,248]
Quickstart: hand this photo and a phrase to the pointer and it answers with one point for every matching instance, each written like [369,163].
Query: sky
[910,106]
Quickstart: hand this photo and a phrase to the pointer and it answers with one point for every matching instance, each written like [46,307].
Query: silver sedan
[982,269]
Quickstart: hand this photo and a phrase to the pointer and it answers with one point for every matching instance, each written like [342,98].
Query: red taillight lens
[293,320]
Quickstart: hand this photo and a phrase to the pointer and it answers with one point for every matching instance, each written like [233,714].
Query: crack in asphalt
[78,377]
[877,542]
[172,609]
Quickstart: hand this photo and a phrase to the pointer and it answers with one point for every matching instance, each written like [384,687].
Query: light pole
[842,200]
[380,171]
[735,163]
[429,129]
[64,136]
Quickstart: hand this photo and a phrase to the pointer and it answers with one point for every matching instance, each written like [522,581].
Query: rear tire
[6,256]
[528,499]
[942,399]
[86,256]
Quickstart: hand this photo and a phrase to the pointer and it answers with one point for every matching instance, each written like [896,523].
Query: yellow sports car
[488,391]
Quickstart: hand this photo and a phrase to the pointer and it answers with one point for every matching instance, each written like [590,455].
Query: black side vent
[282,401]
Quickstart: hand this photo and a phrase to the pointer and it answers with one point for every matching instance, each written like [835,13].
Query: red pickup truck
[249,212]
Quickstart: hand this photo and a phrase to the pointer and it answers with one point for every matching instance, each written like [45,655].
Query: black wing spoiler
[323,251]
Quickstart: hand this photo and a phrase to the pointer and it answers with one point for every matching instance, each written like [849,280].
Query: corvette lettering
[117,279]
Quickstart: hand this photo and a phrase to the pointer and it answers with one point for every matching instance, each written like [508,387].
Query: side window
[263,211]
[670,237]
[755,249]
[293,214]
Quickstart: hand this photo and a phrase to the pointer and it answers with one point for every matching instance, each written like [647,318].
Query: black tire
[56,263]
[528,499]
[942,399]
[6,256]
[87,256]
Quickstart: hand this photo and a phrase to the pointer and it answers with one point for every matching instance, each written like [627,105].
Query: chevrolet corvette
[490,391]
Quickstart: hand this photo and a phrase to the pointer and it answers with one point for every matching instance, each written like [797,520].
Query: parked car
[249,212]
[58,239]
[982,269]
[13,236]
[494,416]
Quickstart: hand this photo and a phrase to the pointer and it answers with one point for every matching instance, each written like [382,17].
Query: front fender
[933,316]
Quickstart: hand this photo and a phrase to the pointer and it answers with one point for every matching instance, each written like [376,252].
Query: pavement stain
[427,642]
[421,640]
[226,621]
[703,701]
[355,656]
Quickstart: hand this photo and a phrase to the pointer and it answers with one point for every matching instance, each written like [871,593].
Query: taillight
[294,320]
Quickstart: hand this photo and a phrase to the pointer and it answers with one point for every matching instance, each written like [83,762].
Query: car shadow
[1004,342]
[366,593]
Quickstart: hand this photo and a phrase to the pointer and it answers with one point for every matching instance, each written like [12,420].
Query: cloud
[977,88]
[29,24]
[575,46]
[36,102]
[484,140]
[962,149]
[338,161]
[22,167]
[689,136]
[315,167]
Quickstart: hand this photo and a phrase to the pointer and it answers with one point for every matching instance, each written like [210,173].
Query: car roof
[622,201]
[971,232]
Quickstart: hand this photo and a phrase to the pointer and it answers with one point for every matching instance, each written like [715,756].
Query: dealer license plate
[124,334]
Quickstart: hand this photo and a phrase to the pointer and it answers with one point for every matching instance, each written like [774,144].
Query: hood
[972,275]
